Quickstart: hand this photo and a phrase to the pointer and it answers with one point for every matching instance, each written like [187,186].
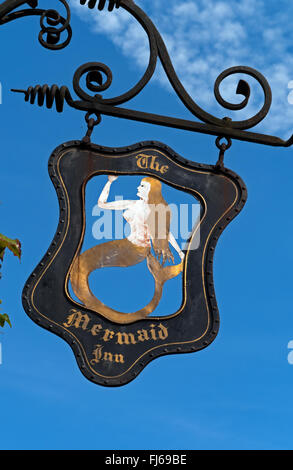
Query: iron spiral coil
[44,94]
[101,4]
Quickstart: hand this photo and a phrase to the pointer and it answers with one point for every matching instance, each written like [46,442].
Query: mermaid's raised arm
[114,205]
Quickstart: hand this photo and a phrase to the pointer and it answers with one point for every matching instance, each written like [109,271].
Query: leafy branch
[15,247]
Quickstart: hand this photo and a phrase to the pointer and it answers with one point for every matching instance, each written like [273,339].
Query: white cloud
[204,37]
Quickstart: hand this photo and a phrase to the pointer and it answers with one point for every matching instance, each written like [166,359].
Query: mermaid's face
[143,190]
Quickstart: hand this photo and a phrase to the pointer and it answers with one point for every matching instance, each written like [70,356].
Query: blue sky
[235,394]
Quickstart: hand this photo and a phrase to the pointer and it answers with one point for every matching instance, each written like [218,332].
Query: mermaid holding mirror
[149,219]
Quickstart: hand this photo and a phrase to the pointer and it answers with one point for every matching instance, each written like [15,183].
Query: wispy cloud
[204,37]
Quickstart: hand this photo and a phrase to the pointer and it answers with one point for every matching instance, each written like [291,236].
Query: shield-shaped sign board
[128,276]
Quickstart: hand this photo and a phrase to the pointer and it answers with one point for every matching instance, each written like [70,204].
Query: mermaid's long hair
[159,220]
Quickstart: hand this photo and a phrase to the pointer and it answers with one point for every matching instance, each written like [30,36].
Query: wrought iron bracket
[96,82]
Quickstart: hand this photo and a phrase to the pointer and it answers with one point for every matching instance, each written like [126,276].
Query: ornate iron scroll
[53,25]
[96,82]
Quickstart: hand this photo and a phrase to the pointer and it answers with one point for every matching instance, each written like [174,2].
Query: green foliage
[4,318]
[12,245]
[15,247]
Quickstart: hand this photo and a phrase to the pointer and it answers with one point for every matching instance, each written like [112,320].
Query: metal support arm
[96,82]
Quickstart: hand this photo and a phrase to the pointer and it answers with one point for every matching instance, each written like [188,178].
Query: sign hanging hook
[91,123]
[222,148]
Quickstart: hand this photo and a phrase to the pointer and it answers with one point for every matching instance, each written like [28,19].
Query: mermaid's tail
[162,274]
[120,253]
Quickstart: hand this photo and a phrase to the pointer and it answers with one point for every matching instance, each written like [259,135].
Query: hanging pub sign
[128,276]
[77,288]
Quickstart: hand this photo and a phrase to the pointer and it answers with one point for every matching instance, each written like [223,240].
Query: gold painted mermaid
[149,219]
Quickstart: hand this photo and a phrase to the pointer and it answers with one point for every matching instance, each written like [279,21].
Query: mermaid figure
[149,219]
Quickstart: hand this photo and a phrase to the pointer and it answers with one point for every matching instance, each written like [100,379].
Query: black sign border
[225,219]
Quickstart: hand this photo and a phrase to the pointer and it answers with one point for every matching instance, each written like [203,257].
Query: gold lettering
[154,165]
[99,356]
[142,335]
[77,319]
[108,335]
[97,353]
[96,329]
[125,338]
[150,161]
[163,331]
[164,169]
[108,356]
[153,333]
[142,161]
[119,358]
